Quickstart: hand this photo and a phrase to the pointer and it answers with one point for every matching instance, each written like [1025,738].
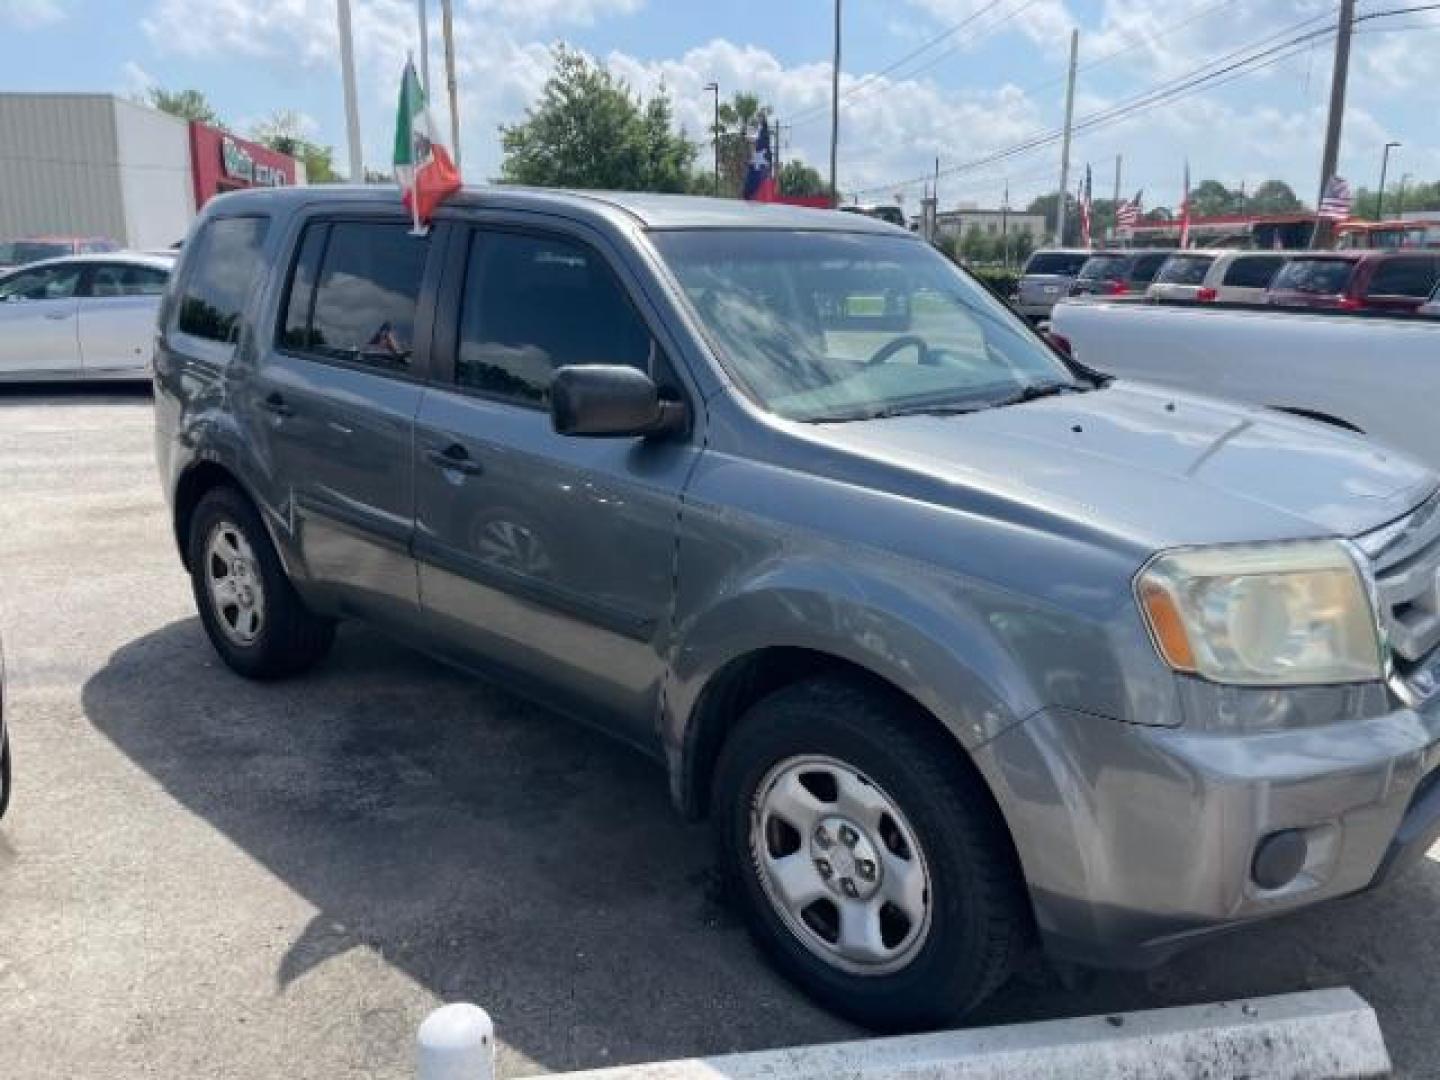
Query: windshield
[1320,276]
[844,326]
[20,252]
[1059,263]
[1104,266]
[1184,270]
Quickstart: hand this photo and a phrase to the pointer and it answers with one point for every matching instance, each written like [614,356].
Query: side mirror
[610,400]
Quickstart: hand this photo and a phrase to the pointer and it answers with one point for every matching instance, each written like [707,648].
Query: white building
[991,223]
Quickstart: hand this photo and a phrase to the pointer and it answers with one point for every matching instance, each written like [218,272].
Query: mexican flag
[422,165]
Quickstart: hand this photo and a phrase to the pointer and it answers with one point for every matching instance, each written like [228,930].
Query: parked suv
[1118,273]
[1357,280]
[1237,277]
[1046,280]
[957,645]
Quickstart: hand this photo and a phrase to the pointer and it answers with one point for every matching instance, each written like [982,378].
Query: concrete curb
[1316,1035]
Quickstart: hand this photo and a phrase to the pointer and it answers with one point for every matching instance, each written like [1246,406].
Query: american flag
[1128,215]
[1336,202]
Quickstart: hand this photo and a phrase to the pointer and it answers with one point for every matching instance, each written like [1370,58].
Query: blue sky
[986,87]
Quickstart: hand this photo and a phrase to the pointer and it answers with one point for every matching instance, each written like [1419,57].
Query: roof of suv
[647,210]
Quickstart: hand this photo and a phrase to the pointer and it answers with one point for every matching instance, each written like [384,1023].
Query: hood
[1159,468]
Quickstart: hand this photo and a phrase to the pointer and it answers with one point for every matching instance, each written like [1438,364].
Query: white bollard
[456,1042]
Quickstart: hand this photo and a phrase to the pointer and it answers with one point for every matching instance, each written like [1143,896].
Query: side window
[226,260]
[111,281]
[1146,267]
[49,283]
[1253,271]
[354,292]
[533,305]
[1404,277]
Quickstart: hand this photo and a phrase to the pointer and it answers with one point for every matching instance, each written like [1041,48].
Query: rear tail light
[1116,288]
[1350,303]
[1207,295]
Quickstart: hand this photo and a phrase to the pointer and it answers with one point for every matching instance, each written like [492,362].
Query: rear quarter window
[1146,267]
[1253,271]
[224,262]
[1412,277]
[1184,270]
[1318,276]
[1059,263]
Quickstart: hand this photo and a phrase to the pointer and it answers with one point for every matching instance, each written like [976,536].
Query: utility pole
[447,28]
[1331,157]
[352,108]
[1060,207]
[1115,204]
[714,88]
[424,47]
[835,109]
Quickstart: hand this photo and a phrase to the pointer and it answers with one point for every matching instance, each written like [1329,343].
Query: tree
[186,104]
[282,131]
[589,130]
[1274,197]
[797,178]
[1212,199]
[1047,204]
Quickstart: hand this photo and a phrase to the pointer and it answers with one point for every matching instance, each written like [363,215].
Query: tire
[945,955]
[271,639]
[4,773]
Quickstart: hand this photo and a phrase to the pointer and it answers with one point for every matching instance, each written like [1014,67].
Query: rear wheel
[251,612]
[869,864]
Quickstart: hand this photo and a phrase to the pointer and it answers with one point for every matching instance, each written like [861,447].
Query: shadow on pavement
[29,395]
[493,851]
[498,853]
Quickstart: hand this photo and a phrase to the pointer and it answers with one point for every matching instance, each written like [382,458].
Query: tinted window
[1145,268]
[1063,263]
[127,281]
[535,305]
[226,261]
[1319,276]
[49,283]
[354,293]
[1184,270]
[20,252]
[1253,271]
[1404,277]
[1104,266]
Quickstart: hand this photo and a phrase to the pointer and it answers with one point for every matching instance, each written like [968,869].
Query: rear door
[118,306]
[549,558]
[38,324]
[333,403]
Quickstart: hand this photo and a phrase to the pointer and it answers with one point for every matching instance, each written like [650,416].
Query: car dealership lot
[206,877]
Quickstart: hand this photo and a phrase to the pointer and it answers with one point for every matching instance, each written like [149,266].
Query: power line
[1185,84]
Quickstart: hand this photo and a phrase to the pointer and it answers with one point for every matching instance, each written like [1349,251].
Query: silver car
[1236,277]
[1046,280]
[81,317]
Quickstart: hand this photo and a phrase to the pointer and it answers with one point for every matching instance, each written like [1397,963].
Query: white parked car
[1236,277]
[82,317]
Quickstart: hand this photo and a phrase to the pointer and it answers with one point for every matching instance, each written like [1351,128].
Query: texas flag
[760,176]
[422,165]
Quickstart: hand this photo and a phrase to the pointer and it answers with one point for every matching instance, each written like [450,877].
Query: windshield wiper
[1035,392]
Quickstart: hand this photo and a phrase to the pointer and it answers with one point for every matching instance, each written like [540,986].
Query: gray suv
[959,646]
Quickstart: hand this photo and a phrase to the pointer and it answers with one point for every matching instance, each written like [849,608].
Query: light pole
[1404,179]
[714,88]
[1384,167]
[835,109]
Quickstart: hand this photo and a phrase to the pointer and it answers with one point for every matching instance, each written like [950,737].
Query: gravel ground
[202,877]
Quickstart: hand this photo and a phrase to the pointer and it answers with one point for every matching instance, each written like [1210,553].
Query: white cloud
[135,81]
[28,14]
[534,14]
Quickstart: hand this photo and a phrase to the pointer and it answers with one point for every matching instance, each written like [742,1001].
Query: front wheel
[252,614]
[869,863]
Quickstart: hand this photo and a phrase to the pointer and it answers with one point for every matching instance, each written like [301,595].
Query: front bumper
[1137,841]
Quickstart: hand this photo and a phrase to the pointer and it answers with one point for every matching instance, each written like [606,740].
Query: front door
[548,557]
[333,403]
[38,325]
[118,305]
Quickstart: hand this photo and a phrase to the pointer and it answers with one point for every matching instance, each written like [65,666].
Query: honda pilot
[960,646]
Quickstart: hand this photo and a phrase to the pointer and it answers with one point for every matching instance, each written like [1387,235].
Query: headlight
[1281,614]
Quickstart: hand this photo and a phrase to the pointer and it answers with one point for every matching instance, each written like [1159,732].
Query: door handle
[457,459]
[275,403]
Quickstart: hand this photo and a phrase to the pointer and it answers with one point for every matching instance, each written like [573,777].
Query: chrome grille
[1406,561]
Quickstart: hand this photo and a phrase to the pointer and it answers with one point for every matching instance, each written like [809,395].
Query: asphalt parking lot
[202,877]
